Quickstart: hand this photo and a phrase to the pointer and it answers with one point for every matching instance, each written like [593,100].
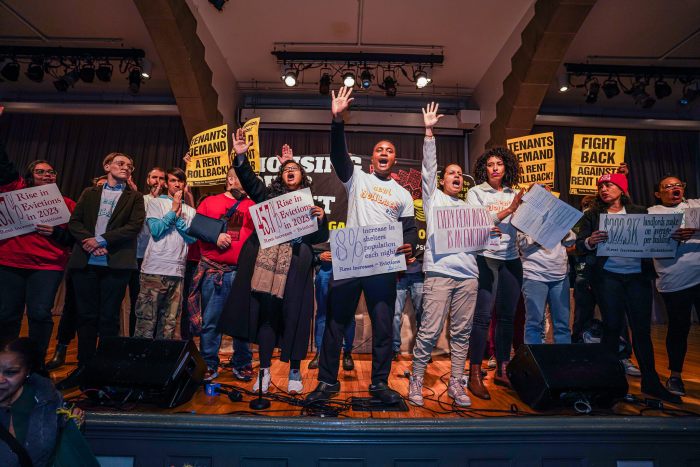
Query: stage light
[641,97]
[349,79]
[146,68]
[218,4]
[365,79]
[35,71]
[611,88]
[289,77]
[662,89]
[563,83]
[593,90]
[10,71]
[104,72]
[324,85]
[389,86]
[421,79]
[68,80]
[135,80]
[87,73]
[690,93]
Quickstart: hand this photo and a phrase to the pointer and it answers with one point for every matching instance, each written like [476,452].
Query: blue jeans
[537,294]
[323,278]
[408,284]
[213,301]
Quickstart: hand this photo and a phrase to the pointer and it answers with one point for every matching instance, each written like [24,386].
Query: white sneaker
[295,384]
[415,390]
[456,391]
[492,362]
[630,368]
[265,381]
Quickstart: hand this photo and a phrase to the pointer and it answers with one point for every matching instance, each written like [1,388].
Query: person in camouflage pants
[158,306]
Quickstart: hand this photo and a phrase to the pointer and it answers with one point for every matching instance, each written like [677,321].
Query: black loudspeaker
[162,372]
[549,375]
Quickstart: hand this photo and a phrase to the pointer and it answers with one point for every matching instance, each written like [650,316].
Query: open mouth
[456,183]
[383,162]
[290,177]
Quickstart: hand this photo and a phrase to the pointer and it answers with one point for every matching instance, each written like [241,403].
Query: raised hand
[187,158]
[623,169]
[430,116]
[341,102]
[239,144]
[287,154]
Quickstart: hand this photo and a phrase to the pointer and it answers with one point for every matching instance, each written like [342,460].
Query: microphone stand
[260,403]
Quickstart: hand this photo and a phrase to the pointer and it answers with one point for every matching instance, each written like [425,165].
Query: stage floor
[504,402]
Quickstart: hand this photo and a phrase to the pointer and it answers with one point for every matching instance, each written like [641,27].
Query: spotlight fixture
[389,86]
[690,93]
[662,89]
[365,79]
[349,79]
[421,79]
[87,73]
[593,90]
[611,88]
[324,85]
[104,72]
[146,67]
[10,71]
[135,80]
[35,71]
[289,77]
[641,97]
[218,4]
[66,81]
[563,83]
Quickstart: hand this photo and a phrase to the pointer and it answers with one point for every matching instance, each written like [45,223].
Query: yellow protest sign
[250,129]
[536,156]
[209,157]
[591,157]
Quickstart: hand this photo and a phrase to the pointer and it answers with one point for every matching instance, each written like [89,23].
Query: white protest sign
[544,217]
[22,210]
[639,235]
[461,228]
[692,220]
[366,251]
[284,218]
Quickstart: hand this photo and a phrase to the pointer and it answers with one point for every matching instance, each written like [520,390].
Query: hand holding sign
[240,146]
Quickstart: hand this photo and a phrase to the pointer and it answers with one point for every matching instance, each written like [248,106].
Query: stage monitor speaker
[549,375]
[162,372]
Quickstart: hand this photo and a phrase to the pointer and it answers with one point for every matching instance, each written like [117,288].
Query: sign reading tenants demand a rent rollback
[591,157]
[209,157]
[536,158]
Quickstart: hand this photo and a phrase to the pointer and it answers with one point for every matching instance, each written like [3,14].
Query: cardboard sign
[284,218]
[22,210]
[461,228]
[536,158]
[209,157]
[366,251]
[639,235]
[250,130]
[591,157]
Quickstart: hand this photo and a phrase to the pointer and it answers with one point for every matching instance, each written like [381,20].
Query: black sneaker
[348,362]
[313,364]
[675,386]
[73,380]
[656,389]
[323,392]
[384,393]
[59,357]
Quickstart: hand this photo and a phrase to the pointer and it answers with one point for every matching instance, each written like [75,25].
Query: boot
[313,364]
[59,357]
[476,383]
[501,378]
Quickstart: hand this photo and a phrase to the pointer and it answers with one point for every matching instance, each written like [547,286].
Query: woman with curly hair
[273,306]
[500,269]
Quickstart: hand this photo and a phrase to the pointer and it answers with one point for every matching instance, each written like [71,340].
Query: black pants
[380,295]
[500,282]
[99,292]
[678,307]
[68,324]
[627,294]
[190,269]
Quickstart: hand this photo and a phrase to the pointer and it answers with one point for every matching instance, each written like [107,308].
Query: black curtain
[75,144]
[650,154]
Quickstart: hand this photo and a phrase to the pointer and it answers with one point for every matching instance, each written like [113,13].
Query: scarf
[271,269]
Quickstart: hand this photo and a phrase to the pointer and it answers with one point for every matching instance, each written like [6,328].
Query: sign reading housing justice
[366,251]
[209,157]
[22,210]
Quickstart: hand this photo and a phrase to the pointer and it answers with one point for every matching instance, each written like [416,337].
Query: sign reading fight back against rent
[250,130]
[591,157]
[536,159]
[209,157]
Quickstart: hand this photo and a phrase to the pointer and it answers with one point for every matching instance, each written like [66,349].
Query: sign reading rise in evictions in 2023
[366,251]
[284,218]
[22,210]
[536,158]
[209,157]
[639,235]
[461,228]
[591,157]
[250,130]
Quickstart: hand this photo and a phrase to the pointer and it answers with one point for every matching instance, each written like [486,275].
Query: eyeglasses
[128,165]
[291,169]
[45,172]
[673,186]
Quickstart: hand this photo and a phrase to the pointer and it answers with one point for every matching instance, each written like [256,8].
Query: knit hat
[618,179]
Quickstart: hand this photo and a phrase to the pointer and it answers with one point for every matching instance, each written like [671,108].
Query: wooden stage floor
[504,402]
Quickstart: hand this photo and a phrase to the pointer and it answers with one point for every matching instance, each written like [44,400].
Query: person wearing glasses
[32,264]
[105,224]
[678,279]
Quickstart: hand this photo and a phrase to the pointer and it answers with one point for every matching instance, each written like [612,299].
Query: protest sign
[691,219]
[536,158]
[544,217]
[284,218]
[250,130]
[22,210]
[209,157]
[639,235]
[366,251]
[461,228]
[591,157]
